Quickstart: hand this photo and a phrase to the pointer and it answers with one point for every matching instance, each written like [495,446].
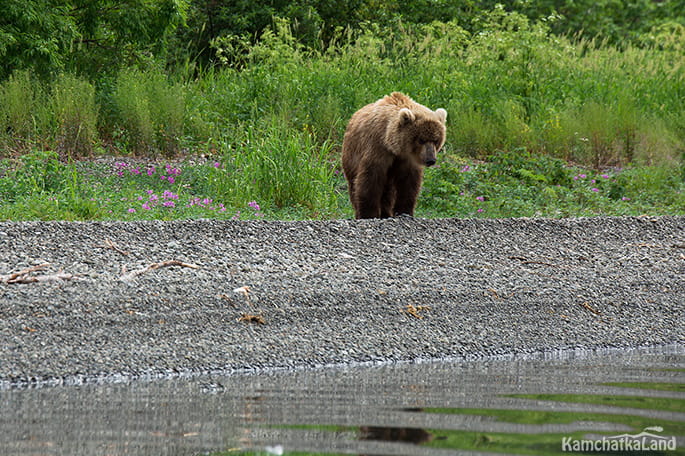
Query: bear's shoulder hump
[398,99]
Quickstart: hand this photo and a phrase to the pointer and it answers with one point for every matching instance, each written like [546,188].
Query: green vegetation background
[185,109]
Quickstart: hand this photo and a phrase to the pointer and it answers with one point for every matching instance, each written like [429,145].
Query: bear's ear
[442,115]
[406,116]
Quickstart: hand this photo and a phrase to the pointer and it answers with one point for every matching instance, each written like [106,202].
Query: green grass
[678,387]
[653,403]
[303,181]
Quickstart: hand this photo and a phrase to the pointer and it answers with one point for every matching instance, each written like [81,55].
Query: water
[497,406]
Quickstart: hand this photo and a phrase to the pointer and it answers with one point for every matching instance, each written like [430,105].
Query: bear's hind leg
[351,191]
[388,200]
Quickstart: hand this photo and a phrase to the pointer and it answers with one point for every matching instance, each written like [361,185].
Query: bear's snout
[429,154]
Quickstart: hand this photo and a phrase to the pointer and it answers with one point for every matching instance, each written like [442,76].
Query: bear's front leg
[407,182]
[369,190]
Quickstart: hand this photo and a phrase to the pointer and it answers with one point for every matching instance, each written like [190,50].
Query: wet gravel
[328,292]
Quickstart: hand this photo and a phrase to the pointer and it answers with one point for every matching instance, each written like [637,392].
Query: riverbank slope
[81,301]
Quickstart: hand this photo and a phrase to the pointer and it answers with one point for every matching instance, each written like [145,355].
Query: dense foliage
[101,36]
[84,36]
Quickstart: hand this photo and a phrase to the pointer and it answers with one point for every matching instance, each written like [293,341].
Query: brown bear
[386,146]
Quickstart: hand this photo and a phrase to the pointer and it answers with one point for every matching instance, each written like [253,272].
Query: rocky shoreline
[93,300]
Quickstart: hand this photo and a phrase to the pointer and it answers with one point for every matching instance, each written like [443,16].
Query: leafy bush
[88,38]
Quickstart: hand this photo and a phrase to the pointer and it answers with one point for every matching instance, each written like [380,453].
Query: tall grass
[73,105]
[151,111]
[24,114]
[62,115]
[285,168]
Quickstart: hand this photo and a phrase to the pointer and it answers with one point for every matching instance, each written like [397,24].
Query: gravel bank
[329,292]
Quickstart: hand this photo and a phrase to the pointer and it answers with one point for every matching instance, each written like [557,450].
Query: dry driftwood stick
[412,310]
[12,278]
[41,278]
[153,266]
[245,291]
[253,318]
[108,244]
[590,308]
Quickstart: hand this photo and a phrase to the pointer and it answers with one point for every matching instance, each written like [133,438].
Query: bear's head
[414,132]
[422,132]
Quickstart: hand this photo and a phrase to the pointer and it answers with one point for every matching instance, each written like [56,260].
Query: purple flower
[625,198]
[465,168]
[480,209]
[151,170]
[217,165]
[171,179]
[594,189]
[253,205]
[236,216]
[131,210]
[168,203]
[480,198]
[153,197]
[146,206]
[169,195]
[605,176]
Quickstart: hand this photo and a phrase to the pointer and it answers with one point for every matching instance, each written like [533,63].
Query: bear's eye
[422,141]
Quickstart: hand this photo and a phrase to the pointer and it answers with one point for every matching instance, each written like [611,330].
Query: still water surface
[498,406]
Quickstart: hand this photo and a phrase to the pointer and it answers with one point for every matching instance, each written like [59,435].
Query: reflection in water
[483,407]
[395,434]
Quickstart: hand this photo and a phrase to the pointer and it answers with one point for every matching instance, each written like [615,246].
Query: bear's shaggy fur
[386,146]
